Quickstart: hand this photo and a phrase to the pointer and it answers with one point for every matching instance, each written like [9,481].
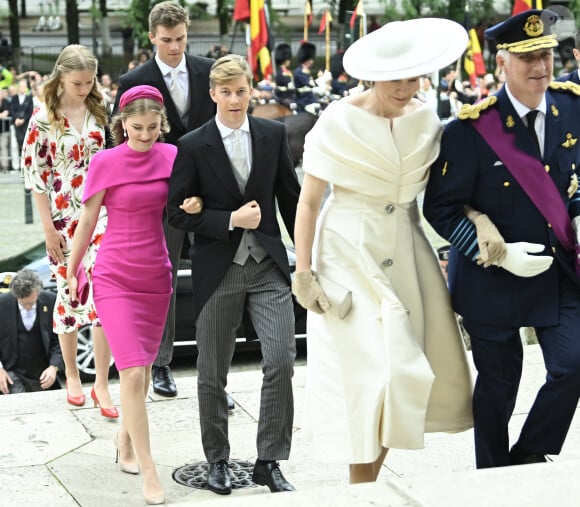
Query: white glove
[518,262]
[576,227]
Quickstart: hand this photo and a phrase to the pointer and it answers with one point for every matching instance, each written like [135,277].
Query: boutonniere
[554,110]
[570,141]
[509,122]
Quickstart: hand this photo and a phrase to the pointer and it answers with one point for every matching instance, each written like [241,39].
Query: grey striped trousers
[263,290]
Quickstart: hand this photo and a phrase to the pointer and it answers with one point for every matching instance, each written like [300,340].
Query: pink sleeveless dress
[132,273]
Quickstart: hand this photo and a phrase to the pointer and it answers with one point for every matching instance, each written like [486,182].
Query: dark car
[184,324]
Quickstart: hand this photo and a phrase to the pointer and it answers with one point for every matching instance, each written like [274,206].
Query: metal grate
[195,474]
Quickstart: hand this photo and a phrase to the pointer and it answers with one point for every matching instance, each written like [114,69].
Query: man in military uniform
[341,82]
[285,89]
[574,76]
[303,81]
[503,192]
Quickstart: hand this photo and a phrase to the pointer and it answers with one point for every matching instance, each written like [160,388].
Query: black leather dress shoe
[231,404]
[520,457]
[163,383]
[218,478]
[268,473]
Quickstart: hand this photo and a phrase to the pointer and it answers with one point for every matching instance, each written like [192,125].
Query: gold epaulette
[471,112]
[566,86]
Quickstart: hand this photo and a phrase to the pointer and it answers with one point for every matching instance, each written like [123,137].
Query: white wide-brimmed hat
[405,49]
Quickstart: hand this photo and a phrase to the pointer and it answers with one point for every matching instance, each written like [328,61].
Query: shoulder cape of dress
[348,147]
[121,165]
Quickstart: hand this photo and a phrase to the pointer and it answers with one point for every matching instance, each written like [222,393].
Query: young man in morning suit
[168,24]
[240,166]
[574,76]
[513,158]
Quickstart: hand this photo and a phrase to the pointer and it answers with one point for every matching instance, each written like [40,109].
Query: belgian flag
[525,5]
[254,12]
[473,60]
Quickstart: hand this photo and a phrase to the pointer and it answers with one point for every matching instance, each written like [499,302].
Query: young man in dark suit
[241,167]
[30,356]
[188,106]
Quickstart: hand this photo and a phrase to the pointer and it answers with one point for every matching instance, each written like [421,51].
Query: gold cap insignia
[534,26]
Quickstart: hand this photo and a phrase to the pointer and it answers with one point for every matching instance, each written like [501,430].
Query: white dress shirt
[540,119]
[28,316]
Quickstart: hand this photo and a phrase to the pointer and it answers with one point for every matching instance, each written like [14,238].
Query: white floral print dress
[56,163]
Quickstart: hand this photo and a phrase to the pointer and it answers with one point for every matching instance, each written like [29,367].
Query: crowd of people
[386,358]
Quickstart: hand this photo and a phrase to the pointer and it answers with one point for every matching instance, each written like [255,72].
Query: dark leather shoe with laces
[218,478]
[268,473]
[520,457]
[163,383]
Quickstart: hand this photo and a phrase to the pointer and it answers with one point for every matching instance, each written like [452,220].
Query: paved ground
[53,454]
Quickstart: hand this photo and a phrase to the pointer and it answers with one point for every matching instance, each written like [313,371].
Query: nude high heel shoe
[155,500]
[128,468]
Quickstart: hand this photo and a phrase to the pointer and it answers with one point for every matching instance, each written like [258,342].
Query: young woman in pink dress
[62,136]
[132,274]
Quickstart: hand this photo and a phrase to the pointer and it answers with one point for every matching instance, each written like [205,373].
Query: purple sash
[531,175]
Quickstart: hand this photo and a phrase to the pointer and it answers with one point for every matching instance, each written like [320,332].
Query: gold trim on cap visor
[525,46]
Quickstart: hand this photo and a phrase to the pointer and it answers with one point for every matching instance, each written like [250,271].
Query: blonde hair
[138,106]
[73,58]
[228,68]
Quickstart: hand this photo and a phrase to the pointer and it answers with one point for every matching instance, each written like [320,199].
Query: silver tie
[177,94]
[239,159]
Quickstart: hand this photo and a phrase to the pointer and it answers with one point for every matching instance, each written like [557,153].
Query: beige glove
[491,243]
[309,293]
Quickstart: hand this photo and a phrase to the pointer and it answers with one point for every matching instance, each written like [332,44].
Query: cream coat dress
[395,367]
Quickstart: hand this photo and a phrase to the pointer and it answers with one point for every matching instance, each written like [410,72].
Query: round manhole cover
[195,474]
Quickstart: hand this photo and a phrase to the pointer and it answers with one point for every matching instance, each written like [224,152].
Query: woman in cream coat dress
[386,361]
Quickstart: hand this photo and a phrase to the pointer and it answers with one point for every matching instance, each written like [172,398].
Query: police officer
[341,82]
[285,89]
[303,81]
[574,76]
[502,193]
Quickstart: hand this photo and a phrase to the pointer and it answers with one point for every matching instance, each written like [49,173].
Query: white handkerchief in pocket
[339,297]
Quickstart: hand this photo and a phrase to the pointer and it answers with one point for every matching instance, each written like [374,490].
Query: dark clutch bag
[82,285]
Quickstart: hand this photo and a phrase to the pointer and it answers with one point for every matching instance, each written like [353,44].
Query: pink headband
[140,92]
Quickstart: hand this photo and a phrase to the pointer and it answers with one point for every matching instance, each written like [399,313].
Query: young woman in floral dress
[62,136]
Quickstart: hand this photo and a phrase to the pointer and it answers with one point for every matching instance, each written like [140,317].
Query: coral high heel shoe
[112,413]
[77,401]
